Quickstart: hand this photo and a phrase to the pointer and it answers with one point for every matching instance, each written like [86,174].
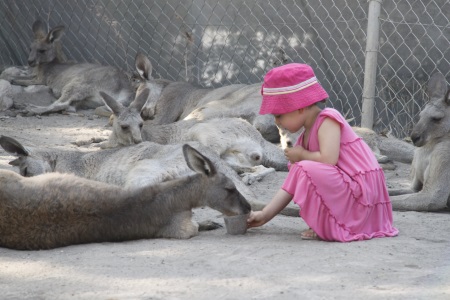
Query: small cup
[236,224]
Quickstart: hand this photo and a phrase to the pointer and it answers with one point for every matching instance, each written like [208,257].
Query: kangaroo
[430,171]
[56,210]
[74,84]
[173,101]
[131,167]
[234,139]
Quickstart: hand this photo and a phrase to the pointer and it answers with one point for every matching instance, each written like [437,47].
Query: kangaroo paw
[208,225]
[36,110]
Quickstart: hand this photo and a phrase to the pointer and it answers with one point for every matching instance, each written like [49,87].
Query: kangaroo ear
[198,162]
[437,86]
[12,146]
[115,106]
[141,98]
[39,30]
[55,34]
[15,162]
[143,66]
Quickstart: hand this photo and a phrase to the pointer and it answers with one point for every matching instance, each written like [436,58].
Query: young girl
[333,175]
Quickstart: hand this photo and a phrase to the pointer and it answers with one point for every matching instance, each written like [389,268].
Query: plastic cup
[236,224]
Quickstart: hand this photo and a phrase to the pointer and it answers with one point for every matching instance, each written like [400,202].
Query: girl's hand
[256,219]
[294,154]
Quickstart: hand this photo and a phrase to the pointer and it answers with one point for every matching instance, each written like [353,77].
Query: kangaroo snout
[256,157]
[241,206]
[246,207]
[417,139]
[148,113]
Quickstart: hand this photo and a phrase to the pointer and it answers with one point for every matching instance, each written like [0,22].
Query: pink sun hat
[290,87]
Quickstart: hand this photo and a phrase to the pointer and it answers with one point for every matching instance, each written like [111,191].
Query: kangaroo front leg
[180,226]
[257,173]
[27,81]
[208,225]
[421,201]
[432,197]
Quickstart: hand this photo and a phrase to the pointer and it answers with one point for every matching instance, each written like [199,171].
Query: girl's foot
[309,234]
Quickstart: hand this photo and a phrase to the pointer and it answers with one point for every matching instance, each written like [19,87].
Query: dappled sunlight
[57,130]
[406,291]
[129,272]
[21,268]
[160,253]
[4,162]
[209,278]
[227,56]
[295,41]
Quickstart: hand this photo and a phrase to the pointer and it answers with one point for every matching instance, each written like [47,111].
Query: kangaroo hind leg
[71,96]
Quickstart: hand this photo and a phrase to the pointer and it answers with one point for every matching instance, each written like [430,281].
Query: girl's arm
[278,202]
[329,144]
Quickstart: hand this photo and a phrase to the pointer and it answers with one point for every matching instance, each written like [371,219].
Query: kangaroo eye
[140,125]
[41,51]
[436,119]
[125,127]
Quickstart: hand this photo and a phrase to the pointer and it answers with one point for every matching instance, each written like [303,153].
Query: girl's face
[291,121]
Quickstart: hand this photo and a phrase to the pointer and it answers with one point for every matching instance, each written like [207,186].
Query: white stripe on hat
[290,89]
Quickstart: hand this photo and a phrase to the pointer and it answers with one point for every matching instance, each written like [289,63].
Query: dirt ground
[269,262]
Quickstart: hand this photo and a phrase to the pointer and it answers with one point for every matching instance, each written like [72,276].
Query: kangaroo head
[29,164]
[144,69]
[127,121]
[220,193]
[288,139]
[44,48]
[434,120]
[243,152]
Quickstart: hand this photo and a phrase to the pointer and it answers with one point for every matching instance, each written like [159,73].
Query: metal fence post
[370,68]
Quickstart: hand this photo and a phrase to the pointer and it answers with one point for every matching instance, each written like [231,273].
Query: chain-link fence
[218,42]
[414,44]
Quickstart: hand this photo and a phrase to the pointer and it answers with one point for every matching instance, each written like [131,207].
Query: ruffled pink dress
[346,202]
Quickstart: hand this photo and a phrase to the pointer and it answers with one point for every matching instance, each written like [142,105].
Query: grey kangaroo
[74,84]
[234,139]
[55,210]
[173,101]
[430,170]
[131,167]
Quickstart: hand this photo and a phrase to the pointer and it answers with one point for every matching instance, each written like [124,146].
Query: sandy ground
[270,262]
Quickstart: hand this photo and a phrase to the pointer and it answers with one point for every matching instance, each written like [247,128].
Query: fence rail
[219,42]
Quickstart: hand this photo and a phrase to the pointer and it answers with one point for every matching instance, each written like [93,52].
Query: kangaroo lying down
[173,101]
[134,166]
[430,189]
[131,167]
[74,84]
[234,139]
[55,210]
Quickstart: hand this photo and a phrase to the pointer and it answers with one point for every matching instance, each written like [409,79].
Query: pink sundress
[346,202]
